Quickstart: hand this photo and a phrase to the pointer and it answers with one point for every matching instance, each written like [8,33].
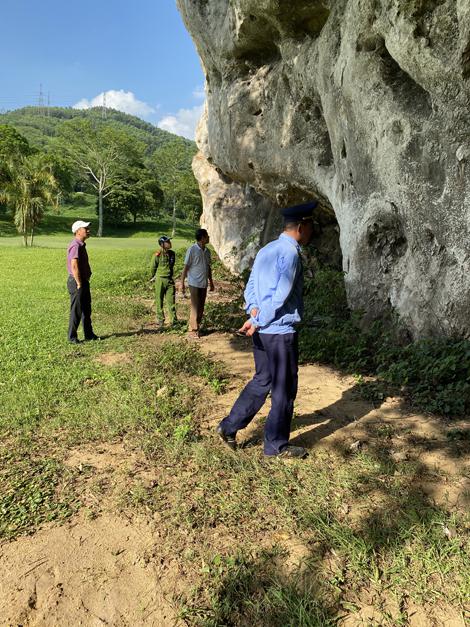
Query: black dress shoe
[230,440]
[74,340]
[92,338]
[293,452]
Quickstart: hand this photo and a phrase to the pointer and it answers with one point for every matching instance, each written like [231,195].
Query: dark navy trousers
[80,308]
[276,364]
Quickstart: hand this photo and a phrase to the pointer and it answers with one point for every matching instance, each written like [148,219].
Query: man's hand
[183,290]
[211,285]
[251,331]
[248,328]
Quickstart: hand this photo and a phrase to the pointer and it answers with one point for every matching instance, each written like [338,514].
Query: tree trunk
[32,237]
[100,213]
[173,230]
[135,219]
[25,239]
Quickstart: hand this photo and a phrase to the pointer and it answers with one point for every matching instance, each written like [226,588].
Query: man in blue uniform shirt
[274,302]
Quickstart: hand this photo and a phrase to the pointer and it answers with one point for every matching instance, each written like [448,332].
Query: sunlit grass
[362,520]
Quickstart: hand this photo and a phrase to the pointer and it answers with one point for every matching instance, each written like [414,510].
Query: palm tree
[29,187]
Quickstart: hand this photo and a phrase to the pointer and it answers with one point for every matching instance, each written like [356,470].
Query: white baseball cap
[78,225]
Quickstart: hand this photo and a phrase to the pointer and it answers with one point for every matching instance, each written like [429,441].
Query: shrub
[434,374]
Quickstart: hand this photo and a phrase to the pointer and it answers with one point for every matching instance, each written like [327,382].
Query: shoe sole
[281,456]
[232,444]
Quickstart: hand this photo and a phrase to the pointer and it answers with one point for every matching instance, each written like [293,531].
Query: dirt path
[107,570]
[330,414]
[89,572]
[100,568]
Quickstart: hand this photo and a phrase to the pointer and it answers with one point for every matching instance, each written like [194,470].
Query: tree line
[130,176]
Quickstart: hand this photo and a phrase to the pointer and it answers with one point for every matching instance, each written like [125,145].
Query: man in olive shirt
[78,283]
[197,267]
[162,273]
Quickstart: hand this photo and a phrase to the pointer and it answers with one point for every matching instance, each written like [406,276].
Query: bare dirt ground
[329,414]
[101,568]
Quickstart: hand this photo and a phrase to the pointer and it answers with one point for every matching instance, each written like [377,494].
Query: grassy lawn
[41,376]
[216,510]
[54,231]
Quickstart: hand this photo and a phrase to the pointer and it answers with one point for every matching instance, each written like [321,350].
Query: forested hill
[39,126]
[135,169]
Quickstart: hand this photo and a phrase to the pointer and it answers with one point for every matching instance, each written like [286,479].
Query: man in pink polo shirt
[78,283]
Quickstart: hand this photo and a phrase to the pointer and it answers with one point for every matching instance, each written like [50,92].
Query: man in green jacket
[162,273]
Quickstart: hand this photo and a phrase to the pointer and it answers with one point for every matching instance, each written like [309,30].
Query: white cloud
[117,99]
[182,123]
[199,92]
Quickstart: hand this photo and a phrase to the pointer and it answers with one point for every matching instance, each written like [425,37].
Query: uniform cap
[78,225]
[164,239]
[299,212]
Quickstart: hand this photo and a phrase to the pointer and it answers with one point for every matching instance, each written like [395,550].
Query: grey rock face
[238,219]
[365,104]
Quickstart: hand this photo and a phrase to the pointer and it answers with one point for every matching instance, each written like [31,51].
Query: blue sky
[138,52]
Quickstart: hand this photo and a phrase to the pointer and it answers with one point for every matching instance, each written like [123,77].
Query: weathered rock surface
[364,103]
[238,219]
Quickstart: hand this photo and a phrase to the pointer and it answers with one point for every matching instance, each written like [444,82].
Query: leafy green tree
[29,188]
[65,128]
[63,170]
[188,196]
[100,152]
[172,164]
[136,193]
[12,144]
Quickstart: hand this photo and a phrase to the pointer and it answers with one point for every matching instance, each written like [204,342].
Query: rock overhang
[364,104]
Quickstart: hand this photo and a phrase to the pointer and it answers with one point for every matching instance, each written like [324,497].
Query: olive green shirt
[163,264]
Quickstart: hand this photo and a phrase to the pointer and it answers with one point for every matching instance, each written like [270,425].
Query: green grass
[247,590]
[363,520]
[45,382]
[63,395]
[394,546]
[33,491]
[54,231]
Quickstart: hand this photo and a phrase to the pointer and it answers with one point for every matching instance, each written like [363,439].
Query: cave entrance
[326,239]
[325,245]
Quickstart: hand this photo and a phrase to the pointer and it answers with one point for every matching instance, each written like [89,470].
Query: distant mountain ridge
[40,125]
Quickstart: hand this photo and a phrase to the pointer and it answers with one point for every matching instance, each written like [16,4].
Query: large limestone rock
[366,104]
[239,220]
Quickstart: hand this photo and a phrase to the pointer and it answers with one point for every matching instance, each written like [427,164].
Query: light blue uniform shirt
[275,287]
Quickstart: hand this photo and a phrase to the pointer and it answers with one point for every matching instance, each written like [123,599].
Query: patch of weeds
[184,431]
[458,435]
[245,590]
[219,271]
[376,391]
[433,374]
[325,297]
[32,492]
[225,316]
[383,430]
[181,357]
[171,420]
[135,498]
[124,308]
[363,523]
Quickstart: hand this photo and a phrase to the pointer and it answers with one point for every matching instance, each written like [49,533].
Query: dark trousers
[80,308]
[276,364]
[196,311]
